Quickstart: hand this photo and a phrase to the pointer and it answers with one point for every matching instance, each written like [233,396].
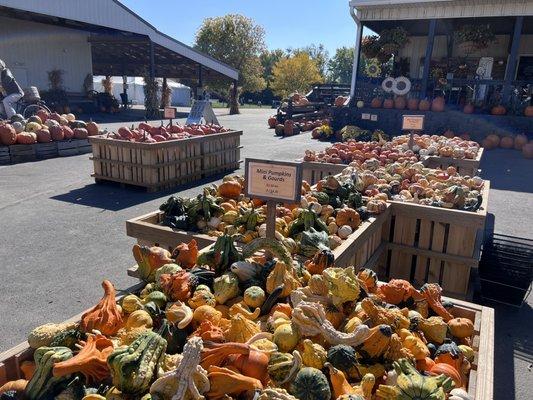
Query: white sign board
[273,180]
[170,112]
[413,122]
[201,109]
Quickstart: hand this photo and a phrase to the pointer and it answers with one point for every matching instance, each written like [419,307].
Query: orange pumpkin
[527,150]
[92,128]
[507,142]
[520,141]
[487,144]
[388,104]
[469,108]
[412,104]
[288,127]
[498,110]
[399,103]
[448,370]
[438,104]
[8,135]
[424,105]
[105,316]
[425,364]
[348,216]
[272,122]
[339,101]
[528,111]
[186,254]
[495,139]
[230,189]
[376,102]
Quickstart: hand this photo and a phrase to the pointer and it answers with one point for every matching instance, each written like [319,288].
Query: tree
[340,65]
[237,41]
[318,53]
[268,58]
[298,72]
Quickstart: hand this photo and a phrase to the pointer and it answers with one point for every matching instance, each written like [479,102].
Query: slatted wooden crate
[5,158]
[163,165]
[464,166]
[431,244]
[46,150]
[312,172]
[221,153]
[73,147]
[22,153]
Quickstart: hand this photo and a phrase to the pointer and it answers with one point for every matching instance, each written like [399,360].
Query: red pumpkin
[288,127]
[272,122]
[507,142]
[26,138]
[388,104]
[424,105]
[487,144]
[527,150]
[412,104]
[68,133]
[92,128]
[43,114]
[438,104]
[520,141]
[468,109]
[80,133]
[400,103]
[125,133]
[8,136]
[56,132]
[528,111]
[495,139]
[55,116]
[376,102]
[43,136]
[498,110]
[145,126]
[448,370]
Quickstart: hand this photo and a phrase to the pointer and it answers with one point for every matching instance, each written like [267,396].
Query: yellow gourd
[313,354]
[286,337]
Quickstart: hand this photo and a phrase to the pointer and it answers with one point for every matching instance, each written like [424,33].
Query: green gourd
[271,245]
[254,296]
[313,241]
[343,358]
[279,366]
[311,384]
[133,367]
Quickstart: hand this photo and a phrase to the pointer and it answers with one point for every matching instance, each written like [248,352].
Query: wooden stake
[271,220]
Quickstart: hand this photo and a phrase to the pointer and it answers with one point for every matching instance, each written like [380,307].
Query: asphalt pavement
[61,235]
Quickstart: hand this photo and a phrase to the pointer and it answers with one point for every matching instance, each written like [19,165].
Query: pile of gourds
[326,215]
[228,324]
[442,146]
[413,182]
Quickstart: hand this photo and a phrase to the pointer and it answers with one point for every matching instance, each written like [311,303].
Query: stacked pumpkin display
[518,142]
[326,215]
[438,104]
[291,127]
[43,128]
[228,324]
[146,133]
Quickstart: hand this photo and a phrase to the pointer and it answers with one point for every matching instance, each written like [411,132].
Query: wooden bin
[163,165]
[5,158]
[22,153]
[46,150]
[312,172]
[148,231]
[464,166]
[431,244]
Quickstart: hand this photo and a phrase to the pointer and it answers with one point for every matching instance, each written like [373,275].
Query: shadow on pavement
[507,170]
[114,197]
[126,116]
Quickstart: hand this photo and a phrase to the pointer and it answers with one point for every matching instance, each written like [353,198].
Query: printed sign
[201,109]
[374,117]
[413,122]
[273,180]
[365,116]
[170,112]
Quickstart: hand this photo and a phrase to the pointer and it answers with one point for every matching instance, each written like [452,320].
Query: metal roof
[382,10]
[114,15]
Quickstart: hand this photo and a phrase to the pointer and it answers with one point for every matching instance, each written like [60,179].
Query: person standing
[9,89]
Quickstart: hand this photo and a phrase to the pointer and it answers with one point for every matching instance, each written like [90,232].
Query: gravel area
[61,235]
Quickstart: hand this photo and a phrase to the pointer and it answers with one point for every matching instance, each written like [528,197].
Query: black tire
[32,109]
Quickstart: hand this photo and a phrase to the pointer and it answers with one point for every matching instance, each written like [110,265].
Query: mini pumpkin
[461,327]
[311,384]
[348,216]
[230,189]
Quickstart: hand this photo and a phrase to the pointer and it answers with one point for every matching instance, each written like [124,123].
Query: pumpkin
[56,132]
[254,296]
[344,358]
[105,316]
[495,139]
[520,141]
[400,103]
[279,366]
[528,111]
[449,371]
[310,384]
[272,122]
[43,136]
[289,128]
[8,135]
[527,150]
[279,130]
[321,260]
[150,259]
[424,105]
[507,142]
[468,108]
[334,315]
[438,104]
[186,254]
[230,189]
[376,102]
[286,337]
[449,353]
[348,216]
[461,327]
[68,133]
[80,133]
[498,110]
[388,103]
[26,138]
[92,128]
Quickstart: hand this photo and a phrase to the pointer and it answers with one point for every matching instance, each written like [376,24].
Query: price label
[273,180]
[170,113]
[413,122]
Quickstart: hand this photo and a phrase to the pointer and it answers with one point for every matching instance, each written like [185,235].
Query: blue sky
[288,23]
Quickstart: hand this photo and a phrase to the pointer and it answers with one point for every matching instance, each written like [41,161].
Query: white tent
[181,94]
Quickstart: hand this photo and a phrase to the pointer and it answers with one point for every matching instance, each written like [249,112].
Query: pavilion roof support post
[427,59]
[200,82]
[513,58]
[152,60]
[357,51]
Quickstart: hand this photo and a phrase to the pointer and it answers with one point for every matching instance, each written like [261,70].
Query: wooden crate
[5,158]
[312,172]
[46,150]
[73,147]
[22,153]
[163,165]
[431,244]
[464,166]
[148,231]
[221,153]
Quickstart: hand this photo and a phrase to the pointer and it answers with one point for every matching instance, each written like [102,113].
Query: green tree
[268,58]
[237,41]
[340,65]
[316,52]
[298,72]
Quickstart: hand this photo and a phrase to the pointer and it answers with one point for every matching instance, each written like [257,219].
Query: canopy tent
[181,94]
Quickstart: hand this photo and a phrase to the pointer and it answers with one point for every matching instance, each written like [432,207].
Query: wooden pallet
[5,158]
[46,150]
[464,166]
[158,166]
[431,244]
[22,153]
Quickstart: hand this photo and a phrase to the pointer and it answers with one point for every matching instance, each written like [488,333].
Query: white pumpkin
[360,104]
[333,228]
[17,126]
[334,242]
[316,207]
[344,231]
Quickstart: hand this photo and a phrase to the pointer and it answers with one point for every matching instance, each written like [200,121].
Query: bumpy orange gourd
[91,361]
[230,189]
[186,254]
[348,216]
[176,286]
[224,381]
[448,370]
[105,316]
[461,327]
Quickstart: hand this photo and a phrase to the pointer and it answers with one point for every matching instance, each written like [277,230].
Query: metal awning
[122,42]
